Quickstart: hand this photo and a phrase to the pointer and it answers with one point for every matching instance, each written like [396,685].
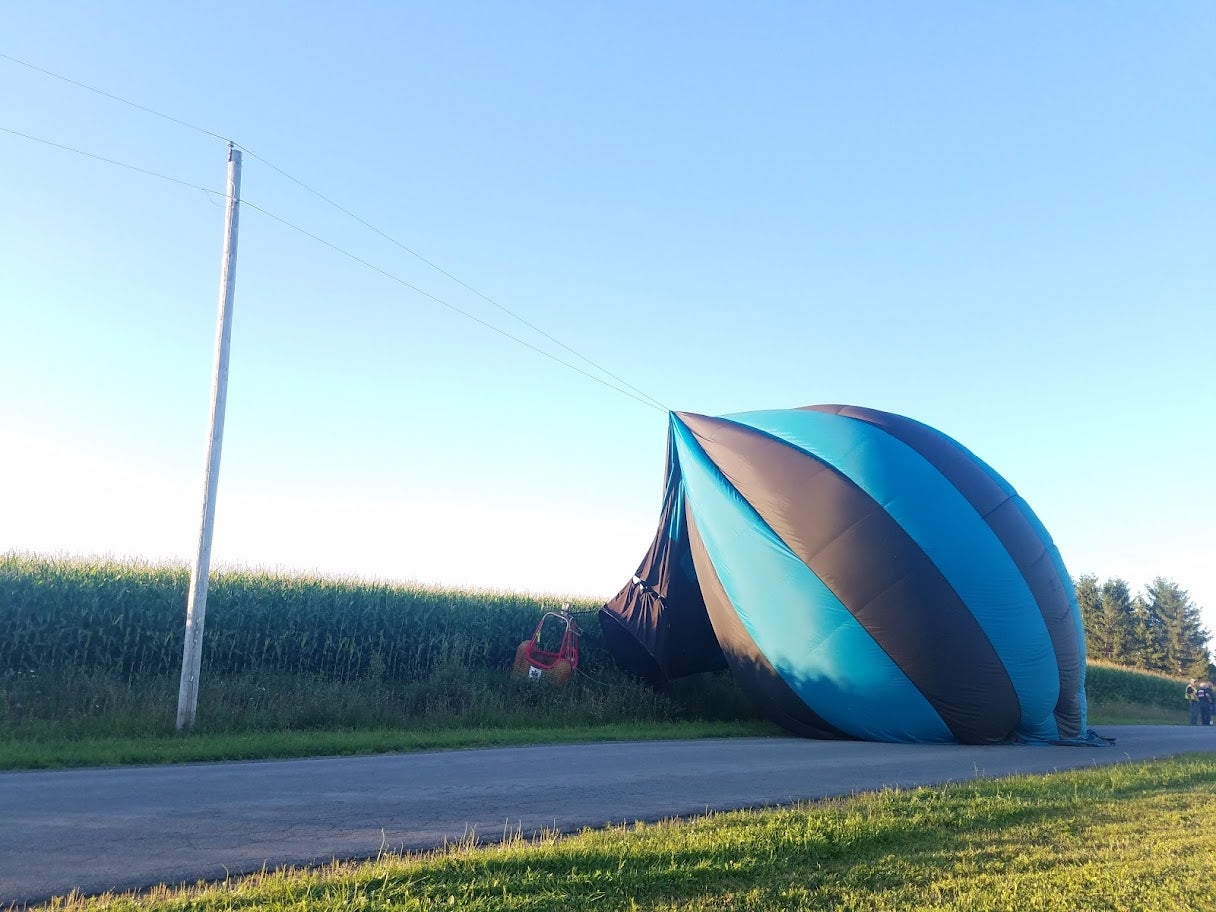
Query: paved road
[127,828]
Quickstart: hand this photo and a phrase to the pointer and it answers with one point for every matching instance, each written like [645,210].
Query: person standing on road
[1204,697]
[1192,701]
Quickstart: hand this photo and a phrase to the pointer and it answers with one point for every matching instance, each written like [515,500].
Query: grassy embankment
[1128,696]
[90,653]
[1128,837]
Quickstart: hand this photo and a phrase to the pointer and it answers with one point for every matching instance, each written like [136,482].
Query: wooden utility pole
[196,601]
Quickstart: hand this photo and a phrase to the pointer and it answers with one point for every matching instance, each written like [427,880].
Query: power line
[453,307]
[111,161]
[650,399]
[112,97]
[457,280]
[345,253]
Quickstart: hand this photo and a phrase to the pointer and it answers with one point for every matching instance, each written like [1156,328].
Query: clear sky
[995,218]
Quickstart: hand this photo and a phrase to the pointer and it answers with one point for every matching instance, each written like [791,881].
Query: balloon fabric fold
[862,575]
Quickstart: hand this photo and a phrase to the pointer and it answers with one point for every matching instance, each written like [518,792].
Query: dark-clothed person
[1204,697]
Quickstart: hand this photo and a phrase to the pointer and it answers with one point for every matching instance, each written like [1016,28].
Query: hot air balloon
[862,575]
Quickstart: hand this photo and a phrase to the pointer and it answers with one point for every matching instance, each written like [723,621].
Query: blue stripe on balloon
[947,528]
[811,639]
[1049,730]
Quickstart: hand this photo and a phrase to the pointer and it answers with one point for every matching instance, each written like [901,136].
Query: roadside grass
[1125,712]
[297,666]
[72,705]
[60,754]
[1123,837]
[1132,696]
[92,719]
[1105,681]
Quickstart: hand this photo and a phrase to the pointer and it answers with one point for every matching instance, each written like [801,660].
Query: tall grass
[90,650]
[1109,683]
[89,706]
[1129,695]
[93,649]
[126,619]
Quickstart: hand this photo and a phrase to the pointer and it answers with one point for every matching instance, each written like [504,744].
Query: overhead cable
[111,161]
[118,98]
[650,399]
[453,307]
[345,253]
[457,280]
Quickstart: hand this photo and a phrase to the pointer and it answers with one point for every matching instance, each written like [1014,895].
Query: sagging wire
[624,384]
[360,260]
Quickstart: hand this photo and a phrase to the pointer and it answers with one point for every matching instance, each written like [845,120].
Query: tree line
[1160,630]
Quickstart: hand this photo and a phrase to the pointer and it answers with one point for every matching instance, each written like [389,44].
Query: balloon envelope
[863,576]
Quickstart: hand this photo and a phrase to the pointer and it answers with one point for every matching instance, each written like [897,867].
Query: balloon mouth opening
[629,653]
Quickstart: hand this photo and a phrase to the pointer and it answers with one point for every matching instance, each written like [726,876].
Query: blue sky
[997,219]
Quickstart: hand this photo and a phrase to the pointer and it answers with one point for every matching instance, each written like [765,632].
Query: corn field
[127,620]
[92,649]
[1112,683]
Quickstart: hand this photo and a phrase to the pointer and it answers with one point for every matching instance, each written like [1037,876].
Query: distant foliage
[1159,631]
[127,620]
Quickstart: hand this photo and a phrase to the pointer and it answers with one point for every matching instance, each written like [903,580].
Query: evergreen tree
[1150,650]
[1184,641]
[1089,598]
[1118,622]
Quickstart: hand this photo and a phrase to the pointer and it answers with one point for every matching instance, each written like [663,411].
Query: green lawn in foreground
[1124,837]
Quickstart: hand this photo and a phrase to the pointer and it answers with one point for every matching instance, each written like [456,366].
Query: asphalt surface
[127,828]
